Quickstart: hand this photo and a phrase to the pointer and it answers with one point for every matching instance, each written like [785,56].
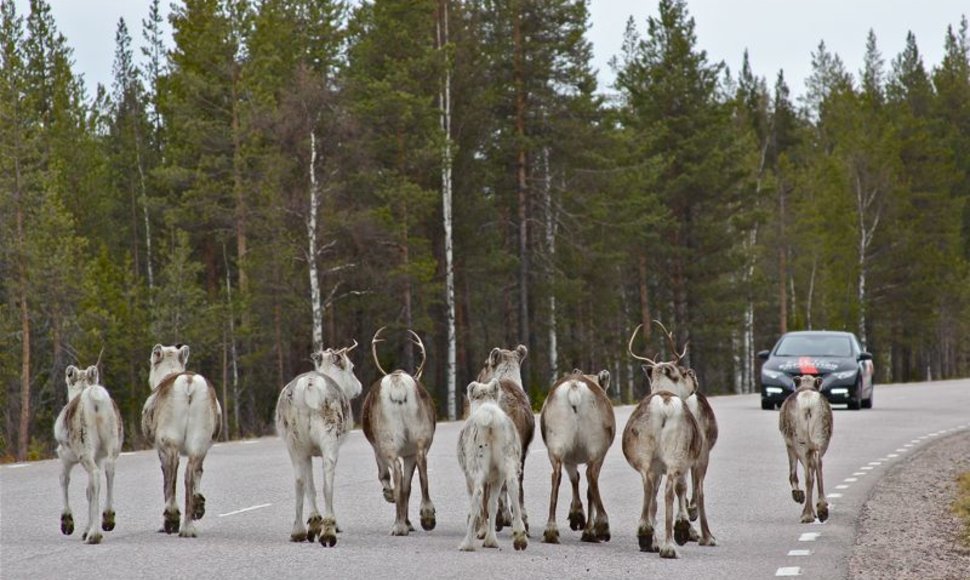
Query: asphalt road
[249,491]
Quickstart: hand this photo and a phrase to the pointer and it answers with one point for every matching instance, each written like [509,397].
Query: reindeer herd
[669,435]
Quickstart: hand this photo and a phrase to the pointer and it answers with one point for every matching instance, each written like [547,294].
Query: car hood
[809,365]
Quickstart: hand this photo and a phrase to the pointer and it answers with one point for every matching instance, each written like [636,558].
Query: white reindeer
[506,366]
[663,439]
[89,431]
[313,416]
[805,421]
[688,390]
[182,416]
[489,453]
[578,426]
[398,419]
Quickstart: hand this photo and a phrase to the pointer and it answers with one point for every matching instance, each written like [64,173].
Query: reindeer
[398,419]
[181,417]
[89,431]
[704,413]
[490,454]
[805,421]
[313,416]
[506,366]
[662,438]
[578,426]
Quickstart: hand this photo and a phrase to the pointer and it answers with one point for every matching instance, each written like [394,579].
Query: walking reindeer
[398,419]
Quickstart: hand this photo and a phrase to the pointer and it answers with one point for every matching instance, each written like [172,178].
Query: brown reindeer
[805,421]
[398,419]
[704,413]
[506,366]
[578,426]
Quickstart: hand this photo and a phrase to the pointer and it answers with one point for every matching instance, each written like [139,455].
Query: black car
[837,357]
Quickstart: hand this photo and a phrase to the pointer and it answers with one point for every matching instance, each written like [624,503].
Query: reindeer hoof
[519,541]
[198,506]
[466,547]
[645,539]
[298,537]
[401,529]
[823,511]
[187,533]
[328,540]
[692,512]
[172,521]
[589,536]
[328,532]
[67,524]
[389,495]
[490,542]
[694,536]
[808,518]
[551,536]
[577,521]
[602,531]
[798,495]
[681,532]
[313,527]
[708,541]
[92,538]
[668,552]
[108,521]
[428,521]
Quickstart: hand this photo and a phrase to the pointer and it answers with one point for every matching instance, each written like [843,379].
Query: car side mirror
[865,356]
[763,354]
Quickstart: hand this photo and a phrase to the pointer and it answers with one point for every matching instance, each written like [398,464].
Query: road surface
[249,491]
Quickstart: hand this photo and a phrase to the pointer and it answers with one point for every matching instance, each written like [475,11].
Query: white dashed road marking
[809,536]
[842,486]
[799,552]
[248,509]
[851,479]
[789,571]
[835,495]
[17,465]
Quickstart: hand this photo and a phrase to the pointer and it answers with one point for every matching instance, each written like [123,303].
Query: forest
[280,176]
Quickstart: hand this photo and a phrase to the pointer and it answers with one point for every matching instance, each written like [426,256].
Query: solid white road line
[248,509]
[17,465]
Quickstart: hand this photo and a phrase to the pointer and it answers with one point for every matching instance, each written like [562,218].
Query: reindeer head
[602,378]
[666,375]
[480,393]
[165,361]
[504,364]
[415,339]
[77,380]
[337,365]
[807,382]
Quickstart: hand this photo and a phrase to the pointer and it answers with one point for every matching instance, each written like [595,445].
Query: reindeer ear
[156,353]
[470,389]
[523,352]
[338,359]
[317,358]
[184,354]
[493,356]
[493,387]
[71,373]
[604,379]
[92,374]
[818,382]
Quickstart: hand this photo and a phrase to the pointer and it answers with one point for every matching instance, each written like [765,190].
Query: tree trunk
[237,187]
[645,316]
[521,181]
[23,431]
[311,256]
[782,265]
[551,258]
[446,201]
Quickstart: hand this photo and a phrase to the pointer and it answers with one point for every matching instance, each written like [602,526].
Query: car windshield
[814,345]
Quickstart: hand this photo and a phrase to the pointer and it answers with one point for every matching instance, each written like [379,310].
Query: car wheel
[767,405]
[856,403]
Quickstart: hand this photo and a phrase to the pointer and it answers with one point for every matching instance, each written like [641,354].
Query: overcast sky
[779,34]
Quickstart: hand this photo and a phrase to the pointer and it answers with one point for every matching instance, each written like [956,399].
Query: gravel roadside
[907,528]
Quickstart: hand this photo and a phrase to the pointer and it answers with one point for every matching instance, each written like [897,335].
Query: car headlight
[770,374]
[844,374]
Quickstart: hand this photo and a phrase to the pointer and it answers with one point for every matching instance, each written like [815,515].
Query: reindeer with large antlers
[313,416]
[398,419]
[662,438]
[704,413]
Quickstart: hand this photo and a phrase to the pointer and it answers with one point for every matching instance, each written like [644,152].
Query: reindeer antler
[672,343]
[373,348]
[424,355]
[347,350]
[629,347]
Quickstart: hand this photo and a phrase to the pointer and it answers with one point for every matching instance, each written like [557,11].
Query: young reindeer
[398,419]
[490,456]
[805,421]
[181,417]
[506,366]
[578,426]
[662,438]
[89,431]
[313,416]
[704,413]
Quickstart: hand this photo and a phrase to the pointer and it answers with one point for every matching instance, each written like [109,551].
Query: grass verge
[962,505]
